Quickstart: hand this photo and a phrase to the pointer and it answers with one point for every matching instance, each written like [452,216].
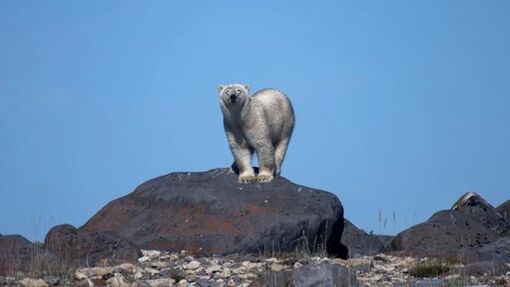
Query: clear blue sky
[402,106]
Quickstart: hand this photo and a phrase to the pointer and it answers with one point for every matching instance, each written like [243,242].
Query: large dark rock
[211,213]
[80,248]
[492,258]
[504,210]
[359,242]
[458,233]
[19,254]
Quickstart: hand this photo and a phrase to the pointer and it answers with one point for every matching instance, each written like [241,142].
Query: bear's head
[233,95]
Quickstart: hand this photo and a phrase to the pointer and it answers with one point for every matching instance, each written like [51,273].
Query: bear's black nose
[233,97]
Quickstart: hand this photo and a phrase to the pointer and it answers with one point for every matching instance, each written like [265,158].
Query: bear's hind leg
[265,154]
[279,154]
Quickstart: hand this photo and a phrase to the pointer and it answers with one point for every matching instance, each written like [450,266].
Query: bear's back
[277,110]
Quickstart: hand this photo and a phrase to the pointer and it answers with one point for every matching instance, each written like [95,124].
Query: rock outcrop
[359,243]
[504,210]
[459,233]
[211,213]
[19,254]
[80,248]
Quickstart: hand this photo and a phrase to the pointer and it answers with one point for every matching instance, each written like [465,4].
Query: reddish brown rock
[212,213]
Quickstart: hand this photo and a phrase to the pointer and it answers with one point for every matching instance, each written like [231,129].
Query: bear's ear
[247,87]
[220,88]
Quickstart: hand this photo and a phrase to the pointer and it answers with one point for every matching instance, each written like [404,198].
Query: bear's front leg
[265,154]
[242,156]
[243,162]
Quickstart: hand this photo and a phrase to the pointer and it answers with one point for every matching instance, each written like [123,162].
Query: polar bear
[261,123]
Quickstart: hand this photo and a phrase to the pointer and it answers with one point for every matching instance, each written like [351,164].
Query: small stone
[161,282]
[83,283]
[97,281]
[275,267]
[151,254]
[80,275]
[118,280]
[158,264]
[125,267]
[143,259]
[224,274]
[51,280]
[165,257]
[151,271]
[192,265]
[298,265]
[183,282]
[213,268]
[95,271]
[138,275]
[29,282]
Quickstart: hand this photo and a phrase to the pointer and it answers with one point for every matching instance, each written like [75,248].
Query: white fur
[262,123]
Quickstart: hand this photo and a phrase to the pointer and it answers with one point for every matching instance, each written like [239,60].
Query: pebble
[151,254]
[213,268]
[151,271]
[29,282]
[275,267]
[193,265]
[161,282]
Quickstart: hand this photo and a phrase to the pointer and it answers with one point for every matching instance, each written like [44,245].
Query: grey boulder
[457,233]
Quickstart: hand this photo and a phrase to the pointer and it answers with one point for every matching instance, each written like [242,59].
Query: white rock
[138,275]
[192,265]
[80,275]
[151,253]
[29,282]
[223,274]
[298,265]
[183,282]
[275,267]
[126,267]
[118,281]
[213,268]
[151,271]
[143,259]
[249,265]
[161,282]
[95,271]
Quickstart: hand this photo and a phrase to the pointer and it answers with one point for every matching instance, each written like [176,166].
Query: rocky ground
[157,268]
[209,212]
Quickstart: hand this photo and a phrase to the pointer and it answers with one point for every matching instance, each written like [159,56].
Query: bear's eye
[238,91]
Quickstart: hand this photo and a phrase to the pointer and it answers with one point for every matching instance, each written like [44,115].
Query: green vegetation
[429,268]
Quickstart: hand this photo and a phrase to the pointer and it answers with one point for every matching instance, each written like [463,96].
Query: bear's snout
[233,98]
